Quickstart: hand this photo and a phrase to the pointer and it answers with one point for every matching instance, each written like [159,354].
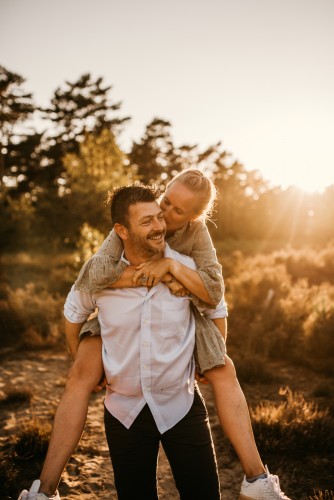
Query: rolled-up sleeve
[104,268]
[221,311]
[78,306]
[209,269]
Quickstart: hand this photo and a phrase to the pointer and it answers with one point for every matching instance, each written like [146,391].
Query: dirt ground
[89,473]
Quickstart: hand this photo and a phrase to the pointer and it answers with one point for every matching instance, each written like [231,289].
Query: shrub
[320,495]
[323,390]
[33,439]
[319,331]
[280,313]
[293,425]
[16,396]
[31,316]
[89,242]
[253,369]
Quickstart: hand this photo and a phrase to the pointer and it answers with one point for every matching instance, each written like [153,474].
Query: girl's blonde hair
[200,184]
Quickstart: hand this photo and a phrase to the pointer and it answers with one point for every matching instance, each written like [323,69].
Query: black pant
[188,446]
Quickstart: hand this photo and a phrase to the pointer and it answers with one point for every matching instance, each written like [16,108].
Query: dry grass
[322,495]
[32,440]
[14,396]
[282,306]
[293,426]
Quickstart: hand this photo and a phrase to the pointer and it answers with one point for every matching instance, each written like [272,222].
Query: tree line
[58,162]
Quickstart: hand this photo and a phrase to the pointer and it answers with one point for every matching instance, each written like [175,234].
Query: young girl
[186,203]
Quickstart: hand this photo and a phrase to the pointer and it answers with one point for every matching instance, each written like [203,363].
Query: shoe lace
[274,483]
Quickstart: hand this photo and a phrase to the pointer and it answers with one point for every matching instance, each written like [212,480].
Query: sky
[257,75]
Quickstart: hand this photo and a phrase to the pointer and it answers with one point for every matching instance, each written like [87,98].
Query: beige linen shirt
[106,267]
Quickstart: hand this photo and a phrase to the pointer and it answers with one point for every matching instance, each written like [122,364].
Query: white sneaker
[262,489]
[33,494]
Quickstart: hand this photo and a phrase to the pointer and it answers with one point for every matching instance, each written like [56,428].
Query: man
[148,338]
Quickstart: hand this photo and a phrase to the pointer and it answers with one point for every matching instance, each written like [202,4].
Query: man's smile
[155,236]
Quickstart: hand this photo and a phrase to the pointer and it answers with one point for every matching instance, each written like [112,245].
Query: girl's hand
[177,288]
[151,272]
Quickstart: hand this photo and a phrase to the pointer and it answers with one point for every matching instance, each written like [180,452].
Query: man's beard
[146,249]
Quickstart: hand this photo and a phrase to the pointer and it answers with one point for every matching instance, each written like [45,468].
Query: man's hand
[177,288]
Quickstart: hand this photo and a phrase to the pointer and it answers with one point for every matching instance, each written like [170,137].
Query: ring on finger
[143,279]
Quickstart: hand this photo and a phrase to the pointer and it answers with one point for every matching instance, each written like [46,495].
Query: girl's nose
[167,210]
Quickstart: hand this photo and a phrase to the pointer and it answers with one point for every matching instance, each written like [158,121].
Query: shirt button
[145,344]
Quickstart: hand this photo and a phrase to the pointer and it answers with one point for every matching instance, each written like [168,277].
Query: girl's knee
[85,373]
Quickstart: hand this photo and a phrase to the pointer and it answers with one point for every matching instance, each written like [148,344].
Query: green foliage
[89,242]
[17,219]
[98,167]
[15,104]
[153,155]
[83,106]
[293,426]
[54,170]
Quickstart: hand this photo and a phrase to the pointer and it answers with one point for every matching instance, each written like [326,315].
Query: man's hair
[121,198]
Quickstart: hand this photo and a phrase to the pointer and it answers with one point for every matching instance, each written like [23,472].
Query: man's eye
[146,223]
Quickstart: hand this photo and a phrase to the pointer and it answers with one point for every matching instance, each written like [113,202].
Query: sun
[308,180]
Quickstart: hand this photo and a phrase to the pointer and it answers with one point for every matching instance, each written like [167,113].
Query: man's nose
[159,225]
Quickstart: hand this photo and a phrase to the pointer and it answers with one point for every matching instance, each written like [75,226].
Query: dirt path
[89,473]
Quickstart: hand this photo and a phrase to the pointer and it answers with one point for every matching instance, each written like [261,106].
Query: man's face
[147,229]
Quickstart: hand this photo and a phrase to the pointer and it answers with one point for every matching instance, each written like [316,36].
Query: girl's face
[179,205]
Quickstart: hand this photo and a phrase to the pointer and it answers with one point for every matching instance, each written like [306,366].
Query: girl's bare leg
[234,416]
[84,375]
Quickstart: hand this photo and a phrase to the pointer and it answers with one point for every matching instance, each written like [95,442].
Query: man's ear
[121,231]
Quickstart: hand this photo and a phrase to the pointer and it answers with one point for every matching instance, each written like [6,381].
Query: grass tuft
[293,425]
[319,495]
[32,440]
[15,396]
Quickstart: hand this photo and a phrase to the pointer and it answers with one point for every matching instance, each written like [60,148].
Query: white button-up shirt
[148,340]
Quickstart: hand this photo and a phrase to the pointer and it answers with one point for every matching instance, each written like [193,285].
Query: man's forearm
[72,331]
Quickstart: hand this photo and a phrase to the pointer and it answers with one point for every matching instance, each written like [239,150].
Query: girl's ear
[121,231]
